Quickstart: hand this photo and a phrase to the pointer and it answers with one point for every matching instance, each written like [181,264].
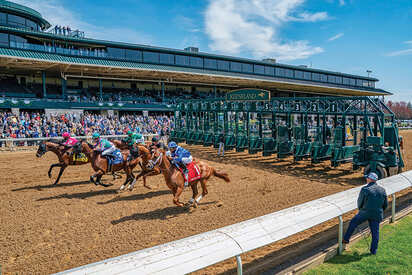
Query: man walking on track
[372,201]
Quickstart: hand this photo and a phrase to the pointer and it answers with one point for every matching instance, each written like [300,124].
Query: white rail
[199,251]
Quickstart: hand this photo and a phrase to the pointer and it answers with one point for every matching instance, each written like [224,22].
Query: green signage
[248,95]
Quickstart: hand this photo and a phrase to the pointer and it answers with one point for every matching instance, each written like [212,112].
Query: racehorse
[100,164]
[63,153]
[176,182]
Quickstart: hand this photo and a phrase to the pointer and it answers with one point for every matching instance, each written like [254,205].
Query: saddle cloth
[80,157]
[116,157]
[194,172]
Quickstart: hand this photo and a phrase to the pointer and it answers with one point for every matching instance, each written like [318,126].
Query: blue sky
[348,36]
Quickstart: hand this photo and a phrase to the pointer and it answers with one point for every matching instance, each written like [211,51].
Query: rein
[157,161]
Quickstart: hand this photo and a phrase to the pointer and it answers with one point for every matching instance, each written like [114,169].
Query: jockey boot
[185,173]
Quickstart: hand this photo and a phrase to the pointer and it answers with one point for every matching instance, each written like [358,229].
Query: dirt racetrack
[46,228]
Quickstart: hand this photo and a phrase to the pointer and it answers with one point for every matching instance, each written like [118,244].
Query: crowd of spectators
[33,125]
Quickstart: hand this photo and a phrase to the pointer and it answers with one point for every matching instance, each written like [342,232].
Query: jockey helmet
[172,144]
[129,133]
[139,136]
[95,135]
[66,135]
[155,139]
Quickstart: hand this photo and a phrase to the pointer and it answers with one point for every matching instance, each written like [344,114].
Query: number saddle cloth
[194,172]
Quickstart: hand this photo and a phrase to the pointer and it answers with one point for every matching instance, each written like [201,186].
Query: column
[214,90]
[100,89]
[43,77]
[63,87]
[163,92]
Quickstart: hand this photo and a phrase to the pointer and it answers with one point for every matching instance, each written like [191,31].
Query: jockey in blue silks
[181,157]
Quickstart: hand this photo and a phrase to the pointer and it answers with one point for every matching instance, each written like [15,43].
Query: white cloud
[57,13]
[398,53]
[408,42]
[339,35]
[253,26]
[341,2]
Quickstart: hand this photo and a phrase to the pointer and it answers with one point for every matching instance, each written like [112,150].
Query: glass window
[4,39]
[307,75]
[31,25]
[115,53]
[247,68]
[150,57]
[315,77]
[346,81]
[331,79]
[280,72]
[299,74]
[339,80]
[133,55]
[323,77]
[182,60]
[17,39]
[372,84]
[196,61]
[352,81]
[259,69]
[3,18]
[223,65]
[289,73]
[16,20]
[235,66]
[359,82]
[269,70]
[210,64]
[166,58]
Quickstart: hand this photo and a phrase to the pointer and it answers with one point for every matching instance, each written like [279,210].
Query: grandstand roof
[16,60]
[24,11]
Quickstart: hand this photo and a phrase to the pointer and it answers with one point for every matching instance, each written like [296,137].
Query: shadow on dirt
[159,214]
[40,187]
[82,195]
[134,197]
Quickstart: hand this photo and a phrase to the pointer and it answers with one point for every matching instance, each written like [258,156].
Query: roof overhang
[166,74]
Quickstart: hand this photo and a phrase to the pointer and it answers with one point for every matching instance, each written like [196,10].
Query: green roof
[143,66]
[25,12]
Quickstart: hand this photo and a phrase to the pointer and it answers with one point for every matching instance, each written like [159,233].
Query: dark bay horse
[64,154]
[176,182]
[100,164]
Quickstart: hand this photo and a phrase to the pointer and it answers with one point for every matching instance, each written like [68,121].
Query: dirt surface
[48,228]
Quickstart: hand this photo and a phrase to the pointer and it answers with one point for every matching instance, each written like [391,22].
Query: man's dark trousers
[373,225]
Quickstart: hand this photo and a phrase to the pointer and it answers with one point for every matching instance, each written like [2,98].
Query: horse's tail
[221,175]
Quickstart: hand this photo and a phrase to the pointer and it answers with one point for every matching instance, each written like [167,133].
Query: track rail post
[340,235]
[239,265]
[393,208]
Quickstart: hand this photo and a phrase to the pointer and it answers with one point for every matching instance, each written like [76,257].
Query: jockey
[135,138]
[68,140]
[156,143]
[103,145]
[181,157]
[129,137]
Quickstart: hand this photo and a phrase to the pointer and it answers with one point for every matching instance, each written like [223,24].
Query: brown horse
[101,167]
[147,170]
[176,182]
[63,153]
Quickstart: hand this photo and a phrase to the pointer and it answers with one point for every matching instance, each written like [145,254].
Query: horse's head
[41,150]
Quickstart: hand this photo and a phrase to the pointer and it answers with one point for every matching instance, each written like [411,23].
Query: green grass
[394,254]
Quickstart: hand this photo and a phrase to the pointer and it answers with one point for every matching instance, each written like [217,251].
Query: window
[16,20]
[133,55]
[4,39]
[259,69]
[17,39]
[235,66]
[3,18]
[280,72]
[352,81]
[269,70]
[331,79]
[210,64]
[346,81]
[166,58]
[315,77]
[196,62]
[182,60]
[150,57]
[299,74]
[223,65]
[372,84]
[339,80]
[115,53]
[289,73]
[247,68]
[359,82]
[31,25]
[323,77]
[307,75]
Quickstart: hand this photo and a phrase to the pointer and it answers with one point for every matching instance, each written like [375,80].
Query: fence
[10,142]
[199,251]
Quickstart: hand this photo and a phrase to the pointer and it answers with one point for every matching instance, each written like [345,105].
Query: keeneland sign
[248,95]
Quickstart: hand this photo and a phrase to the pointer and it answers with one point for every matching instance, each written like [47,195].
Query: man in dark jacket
[372,201]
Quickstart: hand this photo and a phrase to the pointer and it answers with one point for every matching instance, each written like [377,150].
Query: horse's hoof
[104,185]
[122,188]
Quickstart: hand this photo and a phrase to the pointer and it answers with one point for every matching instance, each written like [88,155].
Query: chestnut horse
[176,182]
[63,153]
[100,164]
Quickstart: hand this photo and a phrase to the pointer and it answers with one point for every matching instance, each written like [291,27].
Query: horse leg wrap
[199,198]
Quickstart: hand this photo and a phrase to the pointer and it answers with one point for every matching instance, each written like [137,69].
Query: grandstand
[44,67]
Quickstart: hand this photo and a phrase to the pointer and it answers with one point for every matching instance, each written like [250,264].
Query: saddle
[194,172]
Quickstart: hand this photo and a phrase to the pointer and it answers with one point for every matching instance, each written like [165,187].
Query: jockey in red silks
[68,140]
